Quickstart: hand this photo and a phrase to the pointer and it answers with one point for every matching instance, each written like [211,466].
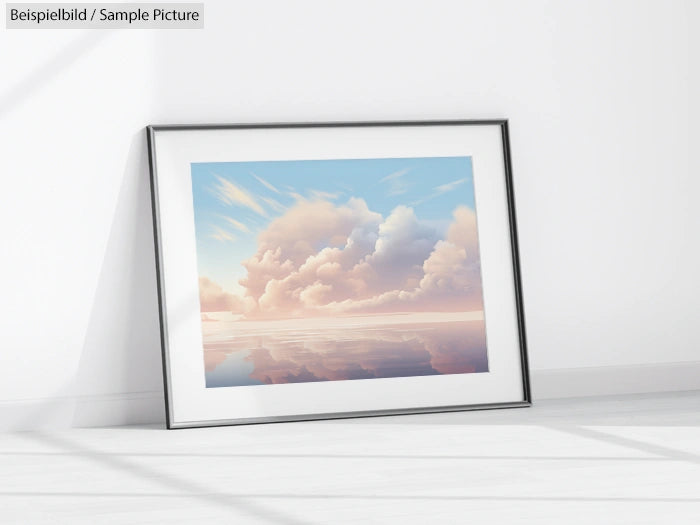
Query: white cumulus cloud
[319,258]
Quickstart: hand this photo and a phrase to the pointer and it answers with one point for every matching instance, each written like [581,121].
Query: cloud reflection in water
[342,352]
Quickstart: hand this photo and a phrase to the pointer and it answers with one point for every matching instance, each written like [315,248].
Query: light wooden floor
[633,459]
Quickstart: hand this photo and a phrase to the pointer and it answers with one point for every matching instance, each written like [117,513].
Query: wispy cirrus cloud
[444,188]
[273,204]
[324,195]
[265,183]
[222,235]
[441,189]
[395,175]
[228,193]
[314,195]
[236,224]
[397,185]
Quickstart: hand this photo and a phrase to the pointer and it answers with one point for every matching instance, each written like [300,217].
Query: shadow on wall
[42,75]
[120,368]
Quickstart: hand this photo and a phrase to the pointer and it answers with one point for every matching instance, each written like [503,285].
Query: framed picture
[312,271]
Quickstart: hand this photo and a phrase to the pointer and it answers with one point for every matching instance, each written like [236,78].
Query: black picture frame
[502,124]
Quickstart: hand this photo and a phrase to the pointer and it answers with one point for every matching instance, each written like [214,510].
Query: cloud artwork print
[328,270]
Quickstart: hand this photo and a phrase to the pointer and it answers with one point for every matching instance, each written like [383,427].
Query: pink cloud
[452,273]
[304,257]
[308,224]
[212,298]
[323,259]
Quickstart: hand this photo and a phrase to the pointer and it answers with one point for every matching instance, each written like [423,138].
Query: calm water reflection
[236,357]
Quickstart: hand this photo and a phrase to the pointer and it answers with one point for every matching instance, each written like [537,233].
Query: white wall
[602,100]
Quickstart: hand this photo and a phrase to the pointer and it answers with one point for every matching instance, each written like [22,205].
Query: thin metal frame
[517,280]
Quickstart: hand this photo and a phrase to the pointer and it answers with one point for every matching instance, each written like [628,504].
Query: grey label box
[105,16]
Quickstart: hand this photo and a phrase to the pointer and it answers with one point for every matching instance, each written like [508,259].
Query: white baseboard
[148,407]
[615,380]
[83,411]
